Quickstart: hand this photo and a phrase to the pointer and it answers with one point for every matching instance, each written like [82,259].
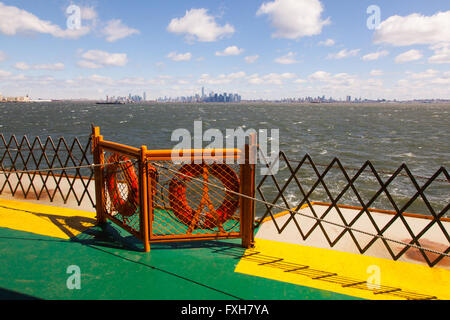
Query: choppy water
[386,134]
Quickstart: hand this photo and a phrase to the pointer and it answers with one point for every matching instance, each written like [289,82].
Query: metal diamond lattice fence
[50,168]
[367,191]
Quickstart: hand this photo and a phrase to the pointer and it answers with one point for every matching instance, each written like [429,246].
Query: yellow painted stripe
[43,219]
[333,269]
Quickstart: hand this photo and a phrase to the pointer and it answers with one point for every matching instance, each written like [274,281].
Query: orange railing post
[143,199]
[98,173]
[247,187]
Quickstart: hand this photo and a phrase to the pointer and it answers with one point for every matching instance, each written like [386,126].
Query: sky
[272,49]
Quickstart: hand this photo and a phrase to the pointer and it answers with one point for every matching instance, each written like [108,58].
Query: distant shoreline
[261,103]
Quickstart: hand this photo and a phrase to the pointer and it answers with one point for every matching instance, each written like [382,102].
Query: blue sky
[260,49]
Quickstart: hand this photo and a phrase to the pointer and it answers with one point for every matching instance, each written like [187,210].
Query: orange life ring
[126,207]
[178,201]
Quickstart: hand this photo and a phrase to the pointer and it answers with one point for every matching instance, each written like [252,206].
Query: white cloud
[89,64]
[220,79]
[441,81]
[134,81]
[4,74]
[237,75]
[253,86]
[287,59]
[251,59]
[271,78]
[430,73]
[255,79]
[294,19]
[51,66]
[21,66]
[198,25]
[230,51]
[180,56]
[414,29]
[320,76]
[116,30]
[300,81]
[374,82]
[344,53]
[2,56]
[20,77]
[327,43]
[376,73]
[430,83]
[375,55]
[88,13]
[339,79]
[441,53]
[94,59]
[411,55]
[15,21]
[101,80]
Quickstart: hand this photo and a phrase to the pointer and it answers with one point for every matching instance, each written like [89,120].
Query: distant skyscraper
[203,92]
[144,96]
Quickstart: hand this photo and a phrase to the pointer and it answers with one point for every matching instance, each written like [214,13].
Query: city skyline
[224,97]
[203,97]
[264,48]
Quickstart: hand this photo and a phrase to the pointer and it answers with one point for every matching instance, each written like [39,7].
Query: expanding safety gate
[158,197]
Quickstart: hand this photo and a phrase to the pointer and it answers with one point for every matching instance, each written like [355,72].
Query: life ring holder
[126,207]
[215,217]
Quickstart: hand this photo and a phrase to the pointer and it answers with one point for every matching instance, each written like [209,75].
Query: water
[386,134]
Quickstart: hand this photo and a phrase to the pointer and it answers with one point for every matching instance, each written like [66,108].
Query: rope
[54,154]
[93,165]
[238,194]
[305,215]
[297,161]
[363,172]
[379,171]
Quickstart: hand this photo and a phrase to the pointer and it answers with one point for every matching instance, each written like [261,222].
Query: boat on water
[136,225]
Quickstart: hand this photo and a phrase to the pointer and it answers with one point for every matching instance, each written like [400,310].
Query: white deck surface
[58,201]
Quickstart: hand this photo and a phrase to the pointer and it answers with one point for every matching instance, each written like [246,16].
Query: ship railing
[406,213]
[51,169]
[363,205]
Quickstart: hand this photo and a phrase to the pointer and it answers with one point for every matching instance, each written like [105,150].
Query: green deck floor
[165,222]
[114,267]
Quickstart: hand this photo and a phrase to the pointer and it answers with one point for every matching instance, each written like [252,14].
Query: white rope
[5,172]
[238,194]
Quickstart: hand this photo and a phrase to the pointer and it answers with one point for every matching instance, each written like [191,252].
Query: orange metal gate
[157,199]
